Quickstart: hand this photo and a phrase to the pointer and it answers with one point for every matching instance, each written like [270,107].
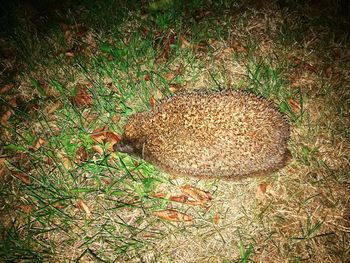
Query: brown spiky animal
[224,134]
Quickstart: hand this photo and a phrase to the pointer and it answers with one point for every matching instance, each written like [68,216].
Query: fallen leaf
[184,42]
[152,101]
[165,44]
[69,54]
[66,162]
[2,166]
[159,95]
[169,76]
[216,219]
[196,193]
[328,72]
[98,149]
[58,206]
[81,155]
[145,31]
[13,102]
[40,142]
[116,118]
[297,61]
[106,181]
[5,118]
[201,47]
[309,67]
[295,106]
[159,195]
[103,136]
[201,14]
[25,208]
[22,177]
[82,206]
[146,77]
[175,88]
[53,107]
[180,199]
[237,46]
[33,108]
[6,88]
[262,188]
[112,138]
[22,161]
[173,215]
[99,135]
[82,98]
[81,31]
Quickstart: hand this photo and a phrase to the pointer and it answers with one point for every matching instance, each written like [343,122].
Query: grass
[72,74]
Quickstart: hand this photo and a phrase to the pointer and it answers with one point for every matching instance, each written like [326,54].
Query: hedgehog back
[225,134]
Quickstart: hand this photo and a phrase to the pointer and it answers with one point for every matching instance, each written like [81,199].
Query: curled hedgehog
[227,134]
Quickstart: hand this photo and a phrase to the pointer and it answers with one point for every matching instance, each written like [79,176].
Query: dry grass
[299,214]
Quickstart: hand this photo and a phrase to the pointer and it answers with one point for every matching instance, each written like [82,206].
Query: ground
[73,72]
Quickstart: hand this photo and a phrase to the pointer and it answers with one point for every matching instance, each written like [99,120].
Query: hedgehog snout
[124,146]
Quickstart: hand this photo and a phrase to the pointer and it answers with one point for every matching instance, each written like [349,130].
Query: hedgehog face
[129,147]
[132,142]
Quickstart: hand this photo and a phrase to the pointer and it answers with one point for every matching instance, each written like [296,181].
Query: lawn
[73,72]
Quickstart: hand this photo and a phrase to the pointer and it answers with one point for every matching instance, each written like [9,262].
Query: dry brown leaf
[40,142]
[99,135]
[102,135]
[309,67]
[69,54]
[6,88]
[165,45]
[146,77]
[262,188]
[2,166]
[112,138]
[180,199]
[173,215]
[5,118]
[169,76]
[81,31]
[196,193]
[22,177]
[184,42]
[81,155]
[297,61]
[175,88]
[237,46]
[187,200]
[216,219]
[25,208]
[159,195]
[106,181]
[98,149]
[328,72]
[82,206]
[145,31]
[152,101]
[53,107]
[159,95]
[67,163]
[116,118]
[58,206]
[295,106]
[13,102]
[33,108]
[82,98]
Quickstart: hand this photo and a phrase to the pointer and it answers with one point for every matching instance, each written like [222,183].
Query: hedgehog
[227,134]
